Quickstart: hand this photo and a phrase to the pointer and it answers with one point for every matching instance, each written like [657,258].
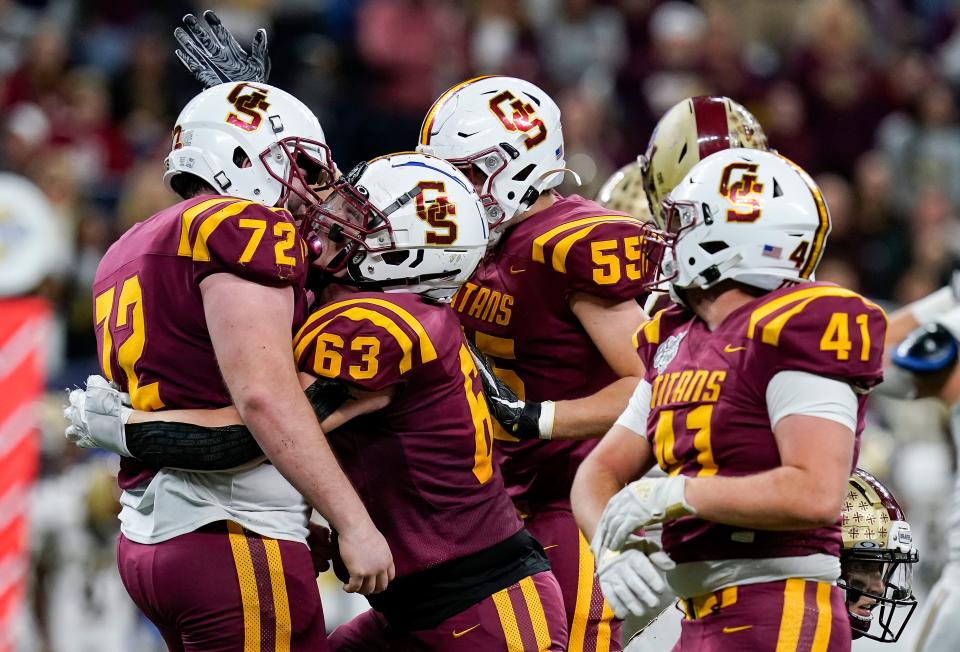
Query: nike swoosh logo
[731,630]
[516,271]
[457,634]
[553,546]
[733,349]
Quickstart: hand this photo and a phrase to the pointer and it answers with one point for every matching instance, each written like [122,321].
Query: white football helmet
[403,222]
[252,141]
[504,134]
[748,215]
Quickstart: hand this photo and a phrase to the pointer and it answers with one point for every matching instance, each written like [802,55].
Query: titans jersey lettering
[483,303]
[707,382]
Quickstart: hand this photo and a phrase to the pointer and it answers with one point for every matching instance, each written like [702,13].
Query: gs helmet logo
[743,192]
[521,118]
[436,212]
[247,105]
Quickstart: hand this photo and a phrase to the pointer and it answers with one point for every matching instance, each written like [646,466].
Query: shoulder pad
[225,234]
[369,342]
[602,255]
[822,329]
[928,349]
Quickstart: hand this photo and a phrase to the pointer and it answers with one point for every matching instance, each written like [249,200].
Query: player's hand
[322,548]
[632,579]
[326,395]
[639,504]
[518,417]
[97,416]
[367,558]
[213,56]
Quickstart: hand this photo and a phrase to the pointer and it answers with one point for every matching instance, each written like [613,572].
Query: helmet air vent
[240,158]
[524,173]
[395,257]
[713,246]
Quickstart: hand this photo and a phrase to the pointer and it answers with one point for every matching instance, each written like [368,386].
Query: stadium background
[863,93]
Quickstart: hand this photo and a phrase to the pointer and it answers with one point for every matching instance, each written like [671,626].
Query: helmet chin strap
[709,277]
[532,194]
[576,177]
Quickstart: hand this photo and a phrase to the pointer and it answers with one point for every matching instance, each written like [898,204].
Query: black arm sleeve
[170,444]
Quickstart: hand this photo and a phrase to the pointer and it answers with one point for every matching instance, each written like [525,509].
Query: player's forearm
[784,498]
[227,416]
[287,430]
[592,416]
[592,489]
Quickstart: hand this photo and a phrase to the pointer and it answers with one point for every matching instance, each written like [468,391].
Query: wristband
[545,422]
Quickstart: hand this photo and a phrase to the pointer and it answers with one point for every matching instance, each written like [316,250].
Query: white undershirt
[789,392]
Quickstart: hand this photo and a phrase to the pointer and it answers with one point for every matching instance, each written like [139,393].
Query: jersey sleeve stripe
[200,251]
[559,258]
[432,113]
[358,314]
[541,240]
[189,215]
[650,330]
[794,303]
[427,350]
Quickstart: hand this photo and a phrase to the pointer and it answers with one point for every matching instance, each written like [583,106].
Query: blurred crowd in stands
[862,93]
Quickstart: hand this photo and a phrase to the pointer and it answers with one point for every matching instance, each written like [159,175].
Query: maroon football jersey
[516,309]
[423,466]
[708,413]
[151,330]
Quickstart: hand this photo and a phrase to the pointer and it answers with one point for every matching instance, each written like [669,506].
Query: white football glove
[98,415]
[641,503]
[632,579]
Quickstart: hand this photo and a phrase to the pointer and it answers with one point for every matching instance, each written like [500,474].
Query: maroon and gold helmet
[876,562]
[686,134]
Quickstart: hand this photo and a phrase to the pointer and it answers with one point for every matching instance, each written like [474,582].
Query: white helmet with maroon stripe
[688,133]
[504,134]
[748,215]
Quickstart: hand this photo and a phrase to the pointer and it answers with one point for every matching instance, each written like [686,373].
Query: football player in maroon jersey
[752,404]
[194,308]
[399,236]
[552,306]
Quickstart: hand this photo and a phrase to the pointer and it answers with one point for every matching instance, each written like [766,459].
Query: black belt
[424,600]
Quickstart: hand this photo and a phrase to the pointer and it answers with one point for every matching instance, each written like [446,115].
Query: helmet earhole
[511,195]
[691,261]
